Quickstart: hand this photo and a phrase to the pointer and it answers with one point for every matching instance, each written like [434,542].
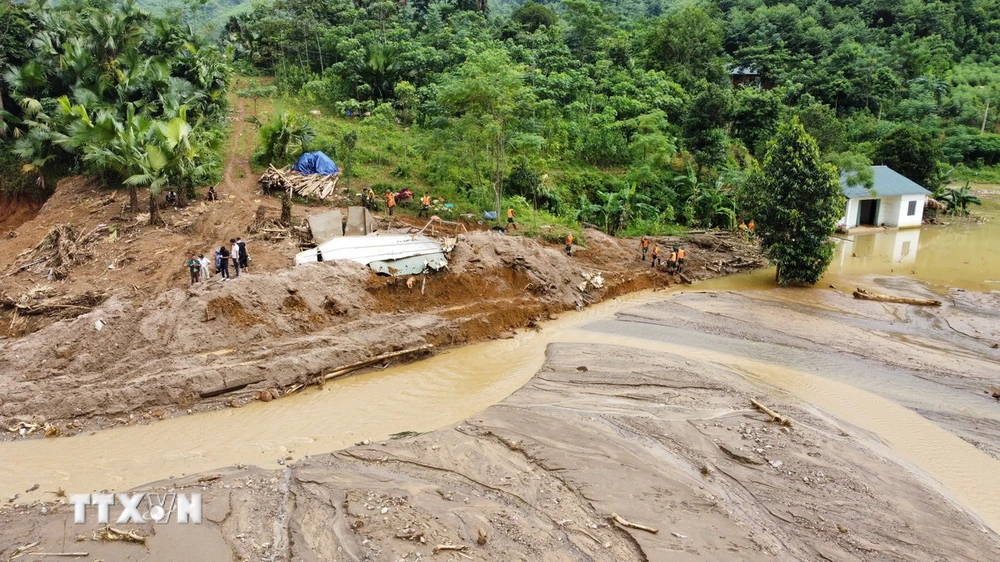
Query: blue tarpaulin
[315,163]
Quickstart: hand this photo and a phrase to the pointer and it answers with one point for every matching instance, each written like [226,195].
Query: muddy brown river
[870,380]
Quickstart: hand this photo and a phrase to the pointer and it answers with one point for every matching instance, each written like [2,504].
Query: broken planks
[316,185]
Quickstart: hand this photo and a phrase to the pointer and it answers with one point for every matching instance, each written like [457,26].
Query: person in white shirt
[235,254]
[204,266]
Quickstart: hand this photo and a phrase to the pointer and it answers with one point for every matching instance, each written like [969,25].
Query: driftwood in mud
[775,417]
[862,294]
[109,533]
[73,554]
[455,547]
[625,523]
[228,389]
[367,362]
[341,371]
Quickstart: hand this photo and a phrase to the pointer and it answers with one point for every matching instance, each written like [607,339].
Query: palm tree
[958,200]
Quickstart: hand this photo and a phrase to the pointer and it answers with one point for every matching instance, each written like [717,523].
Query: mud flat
[647,415]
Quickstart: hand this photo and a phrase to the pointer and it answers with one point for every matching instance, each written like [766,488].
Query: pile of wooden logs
[316,185]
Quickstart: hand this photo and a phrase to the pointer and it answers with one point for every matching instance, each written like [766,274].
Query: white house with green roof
[894,200]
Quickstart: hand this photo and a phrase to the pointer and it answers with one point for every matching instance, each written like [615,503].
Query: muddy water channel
[910,381]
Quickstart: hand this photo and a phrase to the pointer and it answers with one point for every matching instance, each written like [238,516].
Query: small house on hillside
[894,200]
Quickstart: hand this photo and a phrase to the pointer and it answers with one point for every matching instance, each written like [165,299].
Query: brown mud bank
[136,358]
[661,439]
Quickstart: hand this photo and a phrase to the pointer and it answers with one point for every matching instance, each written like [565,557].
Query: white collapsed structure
[388,254]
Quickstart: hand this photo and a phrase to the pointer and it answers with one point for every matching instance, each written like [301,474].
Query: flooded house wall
[906,219]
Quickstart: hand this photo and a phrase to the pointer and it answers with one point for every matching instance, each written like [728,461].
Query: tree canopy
[794,197]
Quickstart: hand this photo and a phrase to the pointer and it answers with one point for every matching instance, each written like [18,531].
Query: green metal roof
[888,183]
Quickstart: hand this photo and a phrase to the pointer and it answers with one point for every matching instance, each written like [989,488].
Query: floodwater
[457,384]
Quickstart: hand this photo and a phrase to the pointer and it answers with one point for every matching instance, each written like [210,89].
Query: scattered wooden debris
[775,417]
[869,296]
[209,478]
[448,546]
[23,548]
[72,554]
[109,533]
[43,301]
[625,523]
[315,185]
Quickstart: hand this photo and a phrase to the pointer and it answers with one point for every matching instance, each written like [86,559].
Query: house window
[911,209]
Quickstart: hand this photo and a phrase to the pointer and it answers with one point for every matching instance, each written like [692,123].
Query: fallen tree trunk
[869,296]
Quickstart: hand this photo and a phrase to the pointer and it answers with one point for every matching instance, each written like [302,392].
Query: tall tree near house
[911,152]
[795,200]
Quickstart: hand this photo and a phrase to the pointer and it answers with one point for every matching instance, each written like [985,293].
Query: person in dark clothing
[194,267]
[212,195]
[224,262]
[244,255]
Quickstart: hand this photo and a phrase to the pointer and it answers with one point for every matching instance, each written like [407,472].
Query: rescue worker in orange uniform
[681,255]
[645,247]
[672,261]
[656,255]
[569,244]
[425,205]
[510,219]
[390,202]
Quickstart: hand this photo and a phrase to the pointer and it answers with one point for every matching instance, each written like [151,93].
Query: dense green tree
[911,152]
[821,122]
[485,95]
[531,15]
[795,199]
[686,42]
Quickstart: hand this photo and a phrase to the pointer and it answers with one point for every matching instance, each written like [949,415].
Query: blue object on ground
[315,163]
[490,215]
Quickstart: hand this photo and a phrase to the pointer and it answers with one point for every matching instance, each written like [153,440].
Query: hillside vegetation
[634,115]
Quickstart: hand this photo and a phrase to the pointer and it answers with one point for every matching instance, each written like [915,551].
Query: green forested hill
[207,15]
[633,114]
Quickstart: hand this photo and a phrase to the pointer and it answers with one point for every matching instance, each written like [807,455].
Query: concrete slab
[359,222]
[327,226]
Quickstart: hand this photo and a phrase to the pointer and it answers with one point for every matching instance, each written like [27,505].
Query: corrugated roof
[888,183]
[374,247]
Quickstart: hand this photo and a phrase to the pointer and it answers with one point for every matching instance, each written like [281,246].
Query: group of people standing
[236,252]
[675,260]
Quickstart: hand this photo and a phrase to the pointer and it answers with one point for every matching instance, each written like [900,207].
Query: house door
[868,212]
